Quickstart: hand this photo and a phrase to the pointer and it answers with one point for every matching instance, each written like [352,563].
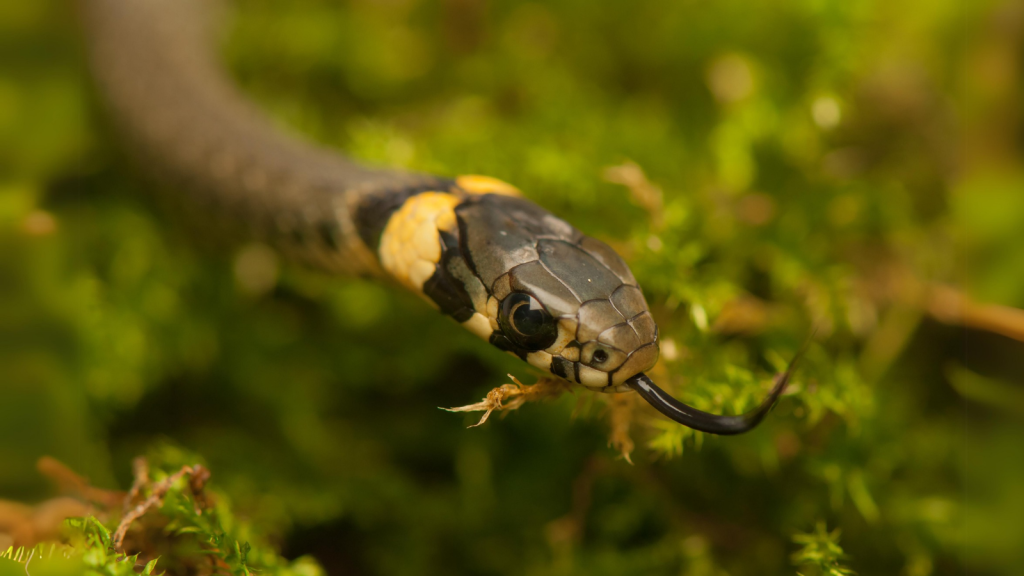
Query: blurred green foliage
[821,161]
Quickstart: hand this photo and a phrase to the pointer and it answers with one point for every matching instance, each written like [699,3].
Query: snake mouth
[705,421]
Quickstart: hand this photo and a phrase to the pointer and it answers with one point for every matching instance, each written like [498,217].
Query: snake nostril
[600,356]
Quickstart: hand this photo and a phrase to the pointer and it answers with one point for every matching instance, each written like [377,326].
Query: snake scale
[510,272]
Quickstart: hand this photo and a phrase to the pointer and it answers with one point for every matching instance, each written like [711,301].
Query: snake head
[534,286]
[560,300]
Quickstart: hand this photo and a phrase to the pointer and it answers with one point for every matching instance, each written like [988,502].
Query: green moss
[815,175]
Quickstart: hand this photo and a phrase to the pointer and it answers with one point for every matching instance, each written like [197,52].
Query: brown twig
[644,193]
[512,396]
[140,470]
[68,482]
[158,491]
[950,306]
[621,417]
[196,483]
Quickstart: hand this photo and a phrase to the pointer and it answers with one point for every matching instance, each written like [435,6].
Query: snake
[472,246]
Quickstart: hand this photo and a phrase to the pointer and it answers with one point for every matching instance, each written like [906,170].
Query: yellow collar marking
[477,184]
[410,247]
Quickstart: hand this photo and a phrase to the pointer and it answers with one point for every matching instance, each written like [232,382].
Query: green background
[825,160]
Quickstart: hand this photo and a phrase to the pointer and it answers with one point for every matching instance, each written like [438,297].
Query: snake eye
[526,322]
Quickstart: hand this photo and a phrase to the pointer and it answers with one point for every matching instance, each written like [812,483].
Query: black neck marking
[374,210]
[444,288]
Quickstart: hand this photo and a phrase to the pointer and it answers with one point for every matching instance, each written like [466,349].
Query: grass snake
[507,270]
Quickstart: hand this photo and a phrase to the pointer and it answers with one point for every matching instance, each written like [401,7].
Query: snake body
[510,272]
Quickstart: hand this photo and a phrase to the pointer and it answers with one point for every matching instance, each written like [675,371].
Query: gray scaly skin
[188,125]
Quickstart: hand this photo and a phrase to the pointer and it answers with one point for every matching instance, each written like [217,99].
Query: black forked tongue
[705,421]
